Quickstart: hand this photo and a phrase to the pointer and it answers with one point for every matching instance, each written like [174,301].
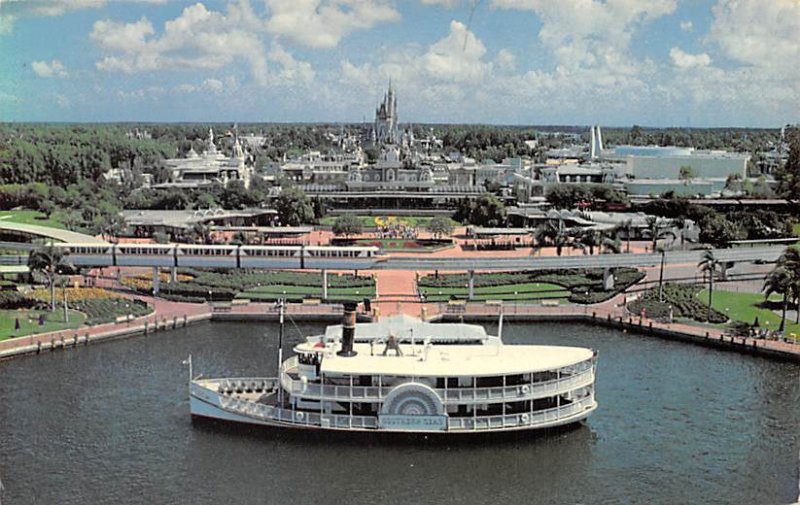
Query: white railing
[520,420]
[337,421]
[297,417]
[456,396]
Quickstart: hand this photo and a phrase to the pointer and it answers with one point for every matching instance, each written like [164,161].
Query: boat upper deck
[453,360]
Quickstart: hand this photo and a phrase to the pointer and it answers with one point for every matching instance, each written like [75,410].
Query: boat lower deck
[214,399]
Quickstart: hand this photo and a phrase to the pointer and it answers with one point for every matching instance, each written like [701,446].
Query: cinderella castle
[385,130]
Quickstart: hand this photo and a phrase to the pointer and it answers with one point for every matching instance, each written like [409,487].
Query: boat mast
[281,308]
[500,324]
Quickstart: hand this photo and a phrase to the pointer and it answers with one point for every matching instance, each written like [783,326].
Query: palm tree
[657,229]
[586,240]
[708,265]
[612,245]
[627,227]
[662,249]
[552,233]
[790,260]
[49,262]
[779,281]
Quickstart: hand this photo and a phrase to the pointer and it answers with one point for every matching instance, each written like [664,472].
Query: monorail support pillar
[471,285]
[324,284]
[156,280]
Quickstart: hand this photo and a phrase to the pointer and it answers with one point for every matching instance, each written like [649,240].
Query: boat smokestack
[348,330]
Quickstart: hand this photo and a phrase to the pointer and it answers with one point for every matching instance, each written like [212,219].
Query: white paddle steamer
[405,375]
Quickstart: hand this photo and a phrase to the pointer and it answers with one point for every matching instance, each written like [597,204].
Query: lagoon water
[677,424]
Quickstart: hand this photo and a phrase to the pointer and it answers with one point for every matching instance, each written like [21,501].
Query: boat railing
[476,423]
[521,420]
[519,392]
[297,417]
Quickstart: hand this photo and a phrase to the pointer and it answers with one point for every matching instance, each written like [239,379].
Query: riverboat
[402,374]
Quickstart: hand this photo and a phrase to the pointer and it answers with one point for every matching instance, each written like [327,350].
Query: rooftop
[455,360]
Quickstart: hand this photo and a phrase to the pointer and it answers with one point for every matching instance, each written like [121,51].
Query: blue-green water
[677,424]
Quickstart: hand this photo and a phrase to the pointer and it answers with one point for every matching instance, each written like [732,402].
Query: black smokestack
[348,329]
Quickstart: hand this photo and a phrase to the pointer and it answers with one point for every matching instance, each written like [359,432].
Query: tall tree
[789,176]
[708,265]
[779,281]
[440,226]
[48,261]
[294,207]
[347,225]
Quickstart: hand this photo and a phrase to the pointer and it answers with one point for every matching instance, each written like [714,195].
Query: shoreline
[36,344]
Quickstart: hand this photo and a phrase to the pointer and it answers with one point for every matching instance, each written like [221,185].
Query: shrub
[13,300]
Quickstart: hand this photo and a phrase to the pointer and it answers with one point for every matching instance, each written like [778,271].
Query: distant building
[666,162]
[196,170]
[385,129]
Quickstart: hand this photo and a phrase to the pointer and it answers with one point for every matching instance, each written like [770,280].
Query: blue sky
[613,62]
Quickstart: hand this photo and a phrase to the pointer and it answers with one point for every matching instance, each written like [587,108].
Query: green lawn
[511,292]
[29,322]
[744,307]
[797,229]
[30,217]
[276,291]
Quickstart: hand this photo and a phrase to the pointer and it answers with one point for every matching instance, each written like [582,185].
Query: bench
[550,303]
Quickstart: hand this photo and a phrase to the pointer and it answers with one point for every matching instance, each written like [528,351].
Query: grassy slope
[27,327]
[30,217]
[743,307]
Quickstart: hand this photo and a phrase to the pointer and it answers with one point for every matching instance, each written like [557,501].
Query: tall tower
[596,142]
[385,130]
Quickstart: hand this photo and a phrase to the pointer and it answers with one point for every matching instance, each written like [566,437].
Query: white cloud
[62,101]
[444,3]
[198,38]
[758,34]
[505,61]
[686,60]
[11,10]
[125,37]
[457,57]
[590,33]
[323,23]
[213,85]
[687,26]
[46,69]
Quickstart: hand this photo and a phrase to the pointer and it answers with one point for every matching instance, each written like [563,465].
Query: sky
[680,63]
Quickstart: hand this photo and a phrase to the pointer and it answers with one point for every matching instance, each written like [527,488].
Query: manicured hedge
[99,311]
[241,280]
[586,285]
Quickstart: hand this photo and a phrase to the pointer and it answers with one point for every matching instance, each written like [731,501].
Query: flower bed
[683,300]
